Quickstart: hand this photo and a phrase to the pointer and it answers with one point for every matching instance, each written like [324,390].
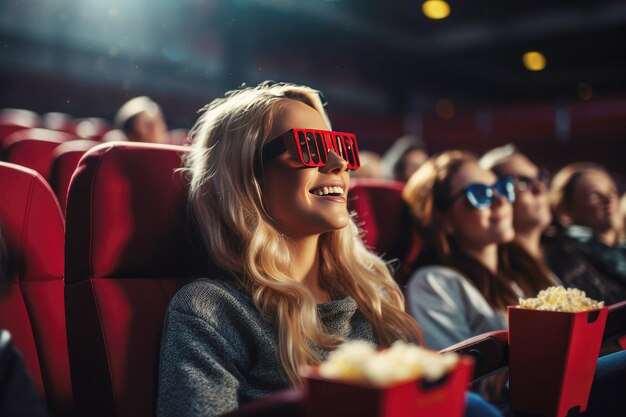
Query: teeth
[328,190]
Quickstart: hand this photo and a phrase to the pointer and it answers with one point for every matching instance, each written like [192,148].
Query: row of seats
[53,154]
[87,297]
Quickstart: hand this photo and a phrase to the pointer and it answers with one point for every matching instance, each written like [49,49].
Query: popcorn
[359,361]
[570,300]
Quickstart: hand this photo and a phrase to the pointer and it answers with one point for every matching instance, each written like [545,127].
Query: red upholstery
[384,218]
[32,310]
[12,120]
[128,252]
[65,159]
[33,148]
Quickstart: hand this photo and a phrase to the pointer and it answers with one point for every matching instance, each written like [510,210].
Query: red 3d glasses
[312,146]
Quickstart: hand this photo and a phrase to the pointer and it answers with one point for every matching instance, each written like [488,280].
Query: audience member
[141,120]
[292,278]
[404,157]
[370,166]
[586,252]
[17,393]
[469,273]
[531,209]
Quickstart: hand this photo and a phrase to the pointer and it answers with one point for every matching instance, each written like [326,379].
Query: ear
[562,216]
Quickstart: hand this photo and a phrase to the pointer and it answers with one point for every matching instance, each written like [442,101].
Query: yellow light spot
[436,9]
[584,90]
[534,61]
[445,109]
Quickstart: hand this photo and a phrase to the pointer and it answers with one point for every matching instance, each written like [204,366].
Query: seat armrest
[489,350]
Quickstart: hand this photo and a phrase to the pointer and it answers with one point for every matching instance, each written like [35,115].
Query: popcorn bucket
[445,397]
[552,359]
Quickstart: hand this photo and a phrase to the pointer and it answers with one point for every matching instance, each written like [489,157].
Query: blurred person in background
[370,166]
[17,392]
[141,120]
[532,214]
[586,252]
[404,157]
[468,273]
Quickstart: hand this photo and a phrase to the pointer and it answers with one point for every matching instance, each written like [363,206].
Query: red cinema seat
[33,148]
[65,158]
[384,218]
[129,249]
[33,308]
[12,120]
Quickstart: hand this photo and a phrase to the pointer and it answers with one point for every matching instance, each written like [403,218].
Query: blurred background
[549,76]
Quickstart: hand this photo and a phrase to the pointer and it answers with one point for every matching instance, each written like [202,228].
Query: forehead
[293,114]
[519,165]
[471,173]
[595,180]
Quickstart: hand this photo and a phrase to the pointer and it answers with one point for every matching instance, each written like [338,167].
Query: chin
[506,236]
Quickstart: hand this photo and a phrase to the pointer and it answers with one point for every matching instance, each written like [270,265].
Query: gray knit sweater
[217,351]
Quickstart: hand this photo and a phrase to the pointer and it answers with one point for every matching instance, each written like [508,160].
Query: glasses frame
[531,183]
[503,186]
[314,145]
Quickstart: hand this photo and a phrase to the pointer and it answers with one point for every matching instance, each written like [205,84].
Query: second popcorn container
[552,359]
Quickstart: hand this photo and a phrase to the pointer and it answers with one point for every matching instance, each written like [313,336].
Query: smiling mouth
[328,191]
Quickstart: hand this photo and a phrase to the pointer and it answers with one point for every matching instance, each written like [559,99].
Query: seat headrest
[127,215]
[31,223]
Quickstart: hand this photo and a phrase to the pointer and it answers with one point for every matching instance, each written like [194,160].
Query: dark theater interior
[260,207]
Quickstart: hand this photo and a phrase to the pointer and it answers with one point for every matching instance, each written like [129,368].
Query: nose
[334,164]
[498,200]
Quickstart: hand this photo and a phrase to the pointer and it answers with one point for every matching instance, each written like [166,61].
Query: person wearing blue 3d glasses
[466,275]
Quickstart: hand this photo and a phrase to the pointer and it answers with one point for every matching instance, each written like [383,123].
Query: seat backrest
[65,159]
[384,218]
[129,249]
[12,120]
[33,307]
[33,148]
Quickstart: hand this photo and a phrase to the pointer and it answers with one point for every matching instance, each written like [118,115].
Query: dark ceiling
[381,56]
[473,55]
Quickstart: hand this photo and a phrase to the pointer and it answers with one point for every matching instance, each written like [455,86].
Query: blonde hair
[227,199]
[427,190]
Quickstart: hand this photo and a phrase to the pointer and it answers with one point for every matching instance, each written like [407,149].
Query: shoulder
[437,274]
[211,300]
[442,282]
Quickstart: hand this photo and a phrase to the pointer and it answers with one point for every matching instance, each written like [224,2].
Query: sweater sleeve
[197,371]
[435,299]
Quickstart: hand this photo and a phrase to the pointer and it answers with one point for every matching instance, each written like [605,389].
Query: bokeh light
[584,91]
[445,109]
[534,61]
[436,9]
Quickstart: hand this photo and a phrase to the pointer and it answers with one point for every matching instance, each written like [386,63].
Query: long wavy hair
[226,196]
[426,194]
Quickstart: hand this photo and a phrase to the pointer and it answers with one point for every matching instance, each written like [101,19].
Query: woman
[587,253]
[292,279]
[470,274]
[532,214]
